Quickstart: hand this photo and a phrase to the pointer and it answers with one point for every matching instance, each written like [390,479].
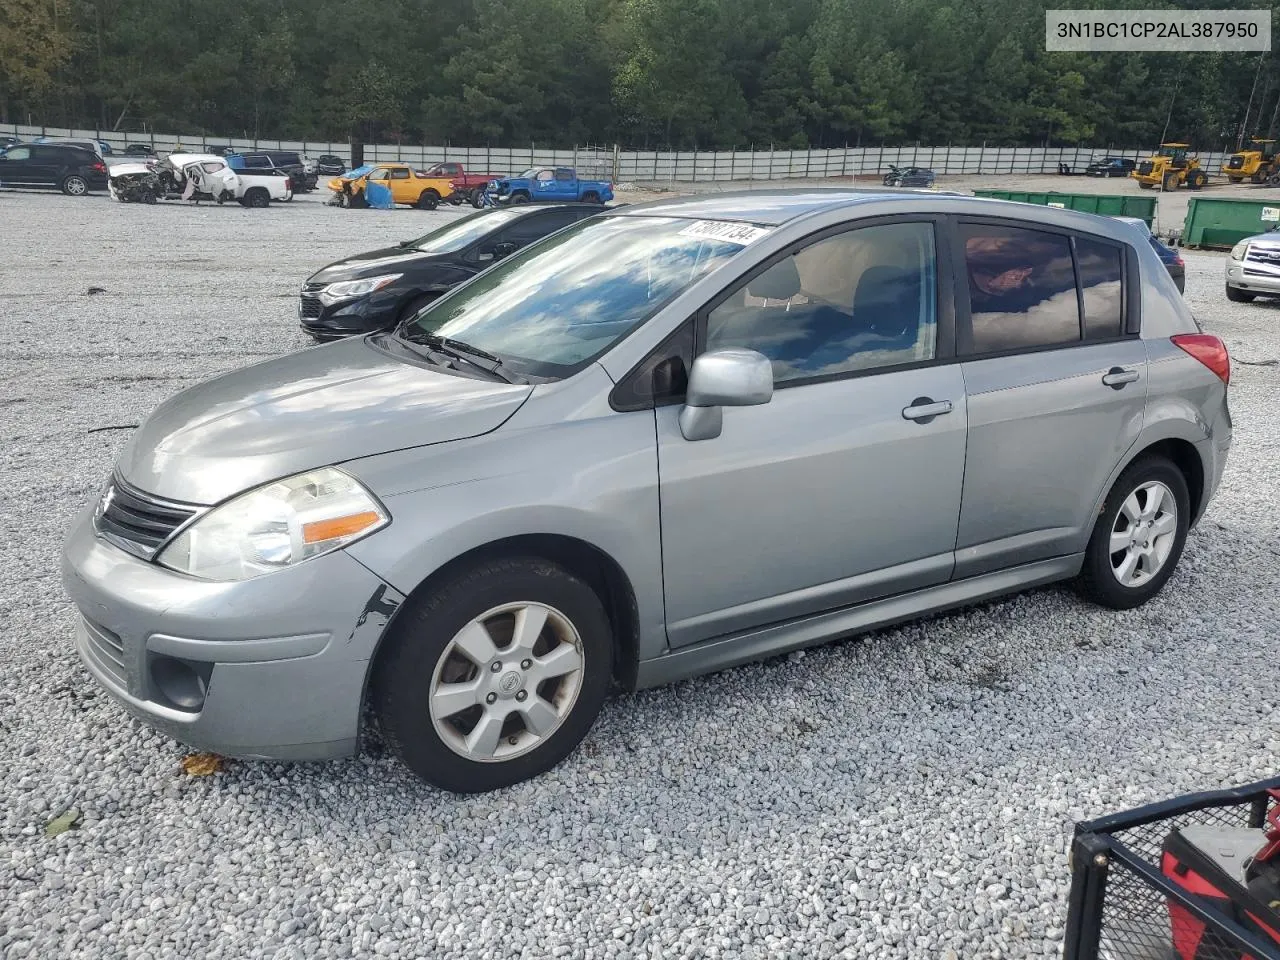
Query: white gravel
[908,794]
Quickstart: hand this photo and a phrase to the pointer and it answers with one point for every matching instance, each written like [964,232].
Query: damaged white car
[134,182]
[203,176]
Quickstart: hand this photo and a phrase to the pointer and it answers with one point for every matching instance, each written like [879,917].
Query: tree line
[645,73]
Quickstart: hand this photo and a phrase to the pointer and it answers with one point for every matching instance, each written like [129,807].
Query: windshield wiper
[459,350]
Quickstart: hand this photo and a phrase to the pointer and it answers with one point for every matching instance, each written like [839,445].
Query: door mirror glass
[723,378]
[504,249]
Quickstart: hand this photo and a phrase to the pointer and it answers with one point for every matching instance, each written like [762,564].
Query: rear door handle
[924,409]
[1117,377]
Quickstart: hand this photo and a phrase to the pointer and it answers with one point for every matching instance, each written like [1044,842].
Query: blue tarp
[378,195]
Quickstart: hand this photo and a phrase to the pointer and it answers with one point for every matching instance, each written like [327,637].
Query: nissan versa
[665,440]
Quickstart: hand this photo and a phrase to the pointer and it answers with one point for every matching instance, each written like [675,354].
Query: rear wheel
[429,200]
[591,197]
[1145,186]
[257,197]
[1238,296]
[1197,179]
[1170,181]
[74,185]
[515,657]
[1139,535]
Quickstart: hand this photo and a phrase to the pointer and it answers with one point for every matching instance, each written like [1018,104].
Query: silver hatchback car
[668,439]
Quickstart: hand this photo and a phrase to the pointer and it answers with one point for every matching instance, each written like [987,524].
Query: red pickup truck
[466,186]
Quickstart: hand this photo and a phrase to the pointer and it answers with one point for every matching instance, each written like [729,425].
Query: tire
[477,197]
[1197,179]
[1146,186]
[1238,296]
[74,185]
[519,198]
[1150,561]
[591,197]
[1170,181]
[257,197]
[422,649]
[1238,179]
[429,200]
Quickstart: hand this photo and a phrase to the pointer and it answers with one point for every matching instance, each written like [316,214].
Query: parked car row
[559,474]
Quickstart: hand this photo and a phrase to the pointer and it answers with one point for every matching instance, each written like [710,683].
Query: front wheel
[1170,181]
[74,186]
[477,197]
[1139,536]
[1238,296]
[515,657]
[519,198]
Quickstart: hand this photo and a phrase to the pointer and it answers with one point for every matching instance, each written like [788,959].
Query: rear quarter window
[1102,287]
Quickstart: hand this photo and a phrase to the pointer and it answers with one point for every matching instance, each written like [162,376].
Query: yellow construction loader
[1259,165]
[1169,168]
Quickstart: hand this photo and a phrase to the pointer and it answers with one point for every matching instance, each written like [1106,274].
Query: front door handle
[1117,377]
[924,409]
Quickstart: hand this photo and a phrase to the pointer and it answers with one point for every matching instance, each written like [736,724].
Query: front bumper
[1242,276]
[284,657]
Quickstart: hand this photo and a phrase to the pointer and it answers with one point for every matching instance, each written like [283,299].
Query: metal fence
[647,166]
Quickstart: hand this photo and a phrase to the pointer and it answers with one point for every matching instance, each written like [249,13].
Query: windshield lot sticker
[739,233]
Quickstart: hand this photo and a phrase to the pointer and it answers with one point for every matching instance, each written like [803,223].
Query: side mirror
[504,249]
[723,378]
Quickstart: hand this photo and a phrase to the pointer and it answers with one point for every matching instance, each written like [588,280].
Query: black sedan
[376,290]
[1110,167]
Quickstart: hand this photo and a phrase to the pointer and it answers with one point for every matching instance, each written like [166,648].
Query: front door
[1057,389]
[846,486]
[17,166]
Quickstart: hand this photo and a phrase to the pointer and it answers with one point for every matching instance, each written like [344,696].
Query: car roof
[771,207]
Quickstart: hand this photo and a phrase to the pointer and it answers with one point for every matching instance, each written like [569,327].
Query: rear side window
[1022,288]
[1101,287]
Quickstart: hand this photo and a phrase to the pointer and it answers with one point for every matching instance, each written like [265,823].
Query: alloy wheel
[1144,533]
[506,682]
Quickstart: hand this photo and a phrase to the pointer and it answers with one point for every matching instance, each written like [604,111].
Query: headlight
[349,289]
[1237,252]
[276,526]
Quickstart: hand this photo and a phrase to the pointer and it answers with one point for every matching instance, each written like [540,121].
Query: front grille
[1262,260]
[106,650]
[1146,167]
[138,522]
[310,305]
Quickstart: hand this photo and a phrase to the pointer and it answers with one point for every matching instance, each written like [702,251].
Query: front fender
[592,478]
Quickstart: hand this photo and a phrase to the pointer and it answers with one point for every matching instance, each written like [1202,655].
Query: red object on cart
[1224,869]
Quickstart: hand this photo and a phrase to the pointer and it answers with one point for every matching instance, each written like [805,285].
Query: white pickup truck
[203,176]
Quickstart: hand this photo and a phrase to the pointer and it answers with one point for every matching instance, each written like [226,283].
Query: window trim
[944,345]
[1130,319]
[626,384]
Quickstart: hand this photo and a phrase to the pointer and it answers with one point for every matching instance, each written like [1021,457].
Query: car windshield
[526,174]
[358,172]
[553,308]
[461,233]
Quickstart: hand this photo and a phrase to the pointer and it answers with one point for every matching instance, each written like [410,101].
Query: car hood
[371,264]
[308,409]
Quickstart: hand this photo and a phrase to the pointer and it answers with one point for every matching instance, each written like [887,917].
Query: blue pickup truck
[548,183]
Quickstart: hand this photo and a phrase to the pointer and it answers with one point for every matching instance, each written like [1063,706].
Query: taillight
[100,167]
[1209,350]
[1177,259]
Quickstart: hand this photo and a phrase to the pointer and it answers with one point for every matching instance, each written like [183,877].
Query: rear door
[1056,379]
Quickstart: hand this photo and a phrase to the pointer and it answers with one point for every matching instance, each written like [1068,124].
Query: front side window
[381,174]
[1022,288]
[545,176]
[554,307]
[464,232]
[859,300]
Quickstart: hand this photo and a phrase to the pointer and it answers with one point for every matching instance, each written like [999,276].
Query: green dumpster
[1143,208]
[1219,222]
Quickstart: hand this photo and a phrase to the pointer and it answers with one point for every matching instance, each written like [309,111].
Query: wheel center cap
[509,683]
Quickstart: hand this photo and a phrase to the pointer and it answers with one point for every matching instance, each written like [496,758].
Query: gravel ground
[907,794]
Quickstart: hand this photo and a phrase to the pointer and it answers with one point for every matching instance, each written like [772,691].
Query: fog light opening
[182,683]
